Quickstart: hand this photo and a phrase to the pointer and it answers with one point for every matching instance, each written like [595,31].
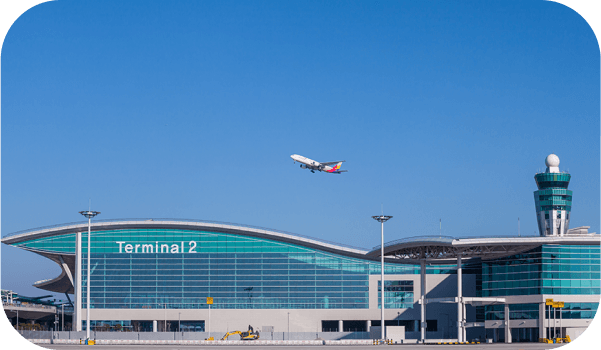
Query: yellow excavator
[251,334]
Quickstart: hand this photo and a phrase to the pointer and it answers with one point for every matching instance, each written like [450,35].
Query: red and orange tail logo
[336,168]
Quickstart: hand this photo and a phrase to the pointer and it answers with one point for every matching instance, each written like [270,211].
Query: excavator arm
[231,333]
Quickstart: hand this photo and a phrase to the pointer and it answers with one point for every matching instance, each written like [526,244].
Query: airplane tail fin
[336,168]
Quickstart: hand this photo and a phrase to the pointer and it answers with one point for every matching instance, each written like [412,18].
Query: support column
[507,328]
[542,330]
[77,313]
[464,329]
[67,270]
[554,310]
[340,326]
[368,326]
[423,300]
[548,336]
[154,326]
[560,325]
[459,301]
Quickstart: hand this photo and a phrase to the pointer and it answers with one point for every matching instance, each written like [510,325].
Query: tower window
[547,216]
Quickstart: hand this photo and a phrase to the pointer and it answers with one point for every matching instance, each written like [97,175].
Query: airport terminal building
[156,275]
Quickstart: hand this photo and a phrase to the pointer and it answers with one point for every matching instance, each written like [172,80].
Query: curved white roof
[184,224]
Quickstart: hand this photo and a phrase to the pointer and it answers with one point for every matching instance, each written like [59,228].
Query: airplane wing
[332,163]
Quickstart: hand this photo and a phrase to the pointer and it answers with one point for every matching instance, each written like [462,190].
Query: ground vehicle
[251,334]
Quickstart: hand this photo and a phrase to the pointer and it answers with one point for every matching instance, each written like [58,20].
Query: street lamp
[88,214]
[382,219]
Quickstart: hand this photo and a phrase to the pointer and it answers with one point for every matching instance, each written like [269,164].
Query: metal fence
[192,335]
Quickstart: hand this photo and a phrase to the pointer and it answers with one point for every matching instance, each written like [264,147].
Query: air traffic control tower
[553,200]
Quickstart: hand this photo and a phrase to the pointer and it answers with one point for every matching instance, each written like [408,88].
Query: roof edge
[260,232]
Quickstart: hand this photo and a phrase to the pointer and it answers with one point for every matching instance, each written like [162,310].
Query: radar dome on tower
[552,160]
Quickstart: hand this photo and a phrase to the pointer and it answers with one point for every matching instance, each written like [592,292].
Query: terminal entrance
[518,335]
[344,326]
[168,326]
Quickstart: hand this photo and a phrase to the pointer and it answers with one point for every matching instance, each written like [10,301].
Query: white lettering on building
[149,248]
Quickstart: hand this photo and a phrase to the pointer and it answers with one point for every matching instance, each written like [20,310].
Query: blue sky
[188,109]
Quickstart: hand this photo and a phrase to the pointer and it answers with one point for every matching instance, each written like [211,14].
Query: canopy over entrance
[445,250]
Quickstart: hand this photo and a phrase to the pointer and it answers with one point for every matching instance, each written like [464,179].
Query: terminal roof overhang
[244,230]
[445,250]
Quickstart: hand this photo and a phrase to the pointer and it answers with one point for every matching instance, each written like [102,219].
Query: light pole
[288,326]
[63,317]
[88,214]
[209,302]
[179,322]
[382,219]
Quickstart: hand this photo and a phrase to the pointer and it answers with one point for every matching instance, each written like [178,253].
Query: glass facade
[238,272]
[574,311]
[151,268]
[110,326]
[553,199]
[397,294]
[144,326]
[157,268]
[516,312]
[549,269]
[552,180]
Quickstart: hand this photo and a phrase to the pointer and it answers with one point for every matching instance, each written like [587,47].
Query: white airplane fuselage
[307,163]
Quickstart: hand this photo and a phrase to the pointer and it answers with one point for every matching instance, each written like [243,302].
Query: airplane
[307,163]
